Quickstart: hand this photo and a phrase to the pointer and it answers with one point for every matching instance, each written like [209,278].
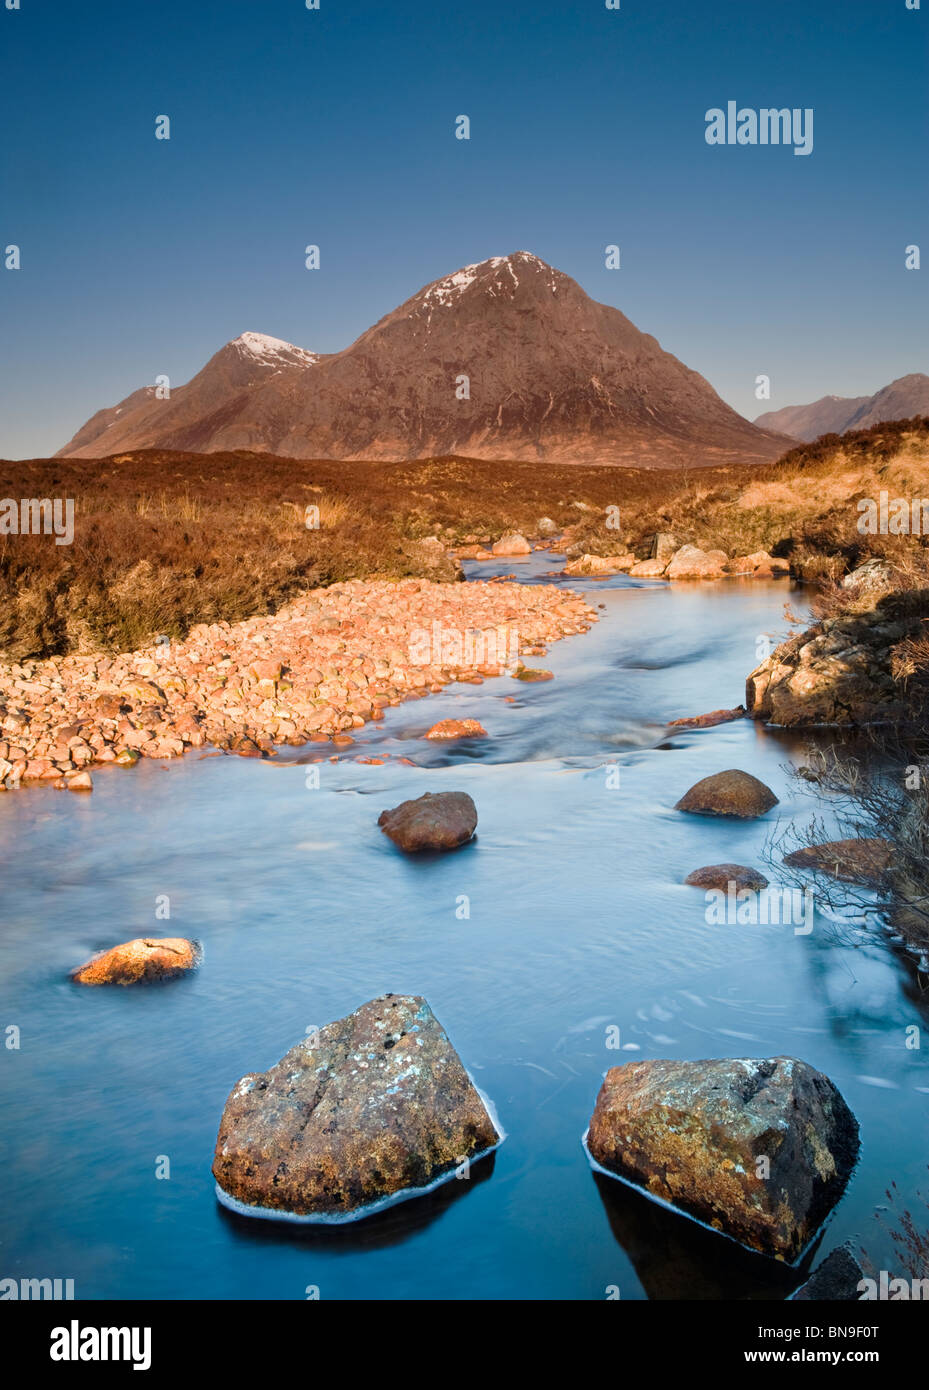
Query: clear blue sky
[336,127]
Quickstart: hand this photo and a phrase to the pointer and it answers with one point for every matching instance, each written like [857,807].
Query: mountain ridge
[505,358]
[901,399]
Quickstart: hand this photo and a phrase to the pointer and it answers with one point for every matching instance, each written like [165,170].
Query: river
[578,922]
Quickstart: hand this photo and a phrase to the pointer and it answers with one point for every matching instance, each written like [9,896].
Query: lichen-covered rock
[145,959]
[435,820]
[729,793]
[865,860]
[840,670]
[727,878]
[377,1106]
[760,1149]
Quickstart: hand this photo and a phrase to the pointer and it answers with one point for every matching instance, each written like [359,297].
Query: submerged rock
[457,728]
[531,674]
[729,793]
[760,1149]
[435,820]
[708,721]
[144,959]
[377,1106]
[852,861]
[721,876]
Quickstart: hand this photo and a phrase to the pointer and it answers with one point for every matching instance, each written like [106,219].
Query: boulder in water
[760,1149]
[145,959]
[727,878]
[375,1108]
[435,820]
[729,793]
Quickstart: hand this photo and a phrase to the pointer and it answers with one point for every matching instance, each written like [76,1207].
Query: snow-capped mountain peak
[271,350]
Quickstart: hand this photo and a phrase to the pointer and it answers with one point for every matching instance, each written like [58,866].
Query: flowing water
[579,923]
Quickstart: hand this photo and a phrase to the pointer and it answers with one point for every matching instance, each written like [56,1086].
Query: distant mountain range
[505,359]
[903,398]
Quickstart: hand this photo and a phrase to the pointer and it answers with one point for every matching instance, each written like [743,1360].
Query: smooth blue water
[578,920]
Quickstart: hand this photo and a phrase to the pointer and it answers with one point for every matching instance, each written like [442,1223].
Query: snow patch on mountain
[272,350]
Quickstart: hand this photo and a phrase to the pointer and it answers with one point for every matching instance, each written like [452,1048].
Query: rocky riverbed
[315,671]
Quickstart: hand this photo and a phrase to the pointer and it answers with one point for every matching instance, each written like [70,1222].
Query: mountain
[902,399]
[551,373]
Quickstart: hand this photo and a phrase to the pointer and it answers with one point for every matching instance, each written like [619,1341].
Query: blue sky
[336,127]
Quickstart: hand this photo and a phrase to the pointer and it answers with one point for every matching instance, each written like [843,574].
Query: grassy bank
[165,540]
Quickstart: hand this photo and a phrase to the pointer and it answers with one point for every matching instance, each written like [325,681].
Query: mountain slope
[901,400]
[551,374]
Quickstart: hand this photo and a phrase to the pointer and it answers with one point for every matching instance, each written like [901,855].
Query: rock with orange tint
[512,544]
[760,1149]
[374,1108]
[864,860]
[690,562]
[433,821]
[727,878]
[457,728]
[707,721]
[600,565]
[729,793]
[145,959]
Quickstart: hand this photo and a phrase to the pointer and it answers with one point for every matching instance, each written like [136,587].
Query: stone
[701,1135]
[143,959]
[662,547]
[457,728]
[863,860]
[835,1280]
[729,793]
[842,670]
[600,566]
[511,544]
[690,562]
[546,527]
[709,721]
[433,821]
[728,878]
[531,674]
[874,575]
[648,569]
[376,1107]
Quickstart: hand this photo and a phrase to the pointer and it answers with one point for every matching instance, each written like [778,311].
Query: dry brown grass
[165,540]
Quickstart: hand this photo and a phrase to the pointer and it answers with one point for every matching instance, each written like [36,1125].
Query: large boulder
[841,670]
[435,820]
[760,1149]
[864,860]
[729,793]
[512,544]
[690,562]
[648,569]
[376,1107]
[145,959]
